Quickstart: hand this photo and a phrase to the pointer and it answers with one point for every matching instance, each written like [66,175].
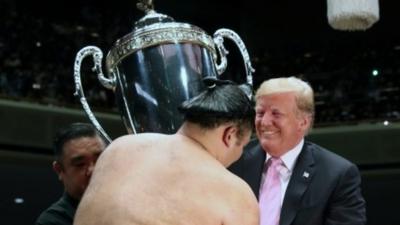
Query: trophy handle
[106,82]
[219,42]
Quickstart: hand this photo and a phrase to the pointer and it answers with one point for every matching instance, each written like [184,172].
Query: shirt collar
[290,157]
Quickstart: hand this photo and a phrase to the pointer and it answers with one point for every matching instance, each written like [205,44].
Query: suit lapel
[255,158]
[298,184]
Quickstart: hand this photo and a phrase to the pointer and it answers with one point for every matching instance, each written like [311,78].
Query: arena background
[355,76]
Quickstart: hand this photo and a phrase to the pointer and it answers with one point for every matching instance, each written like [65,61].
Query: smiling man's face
[279,124]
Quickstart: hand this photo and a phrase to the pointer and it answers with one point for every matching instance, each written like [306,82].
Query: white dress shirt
[285,171]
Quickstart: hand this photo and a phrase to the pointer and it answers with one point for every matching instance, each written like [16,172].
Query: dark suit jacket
[60,213]
[324,188]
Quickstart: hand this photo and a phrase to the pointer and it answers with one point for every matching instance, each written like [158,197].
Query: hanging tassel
[352,15]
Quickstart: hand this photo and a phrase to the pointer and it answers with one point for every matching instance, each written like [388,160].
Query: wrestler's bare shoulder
[136,142]
[147,140]
[185,182]
[155,150]
[143,139]
[237,185]
[244,205]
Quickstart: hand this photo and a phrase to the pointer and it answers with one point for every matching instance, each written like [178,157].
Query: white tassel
[352,15]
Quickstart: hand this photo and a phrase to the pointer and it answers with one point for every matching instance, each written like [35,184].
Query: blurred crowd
[38,48]
[37,55]
[351,86]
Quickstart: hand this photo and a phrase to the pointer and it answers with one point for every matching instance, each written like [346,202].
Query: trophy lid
[156,29]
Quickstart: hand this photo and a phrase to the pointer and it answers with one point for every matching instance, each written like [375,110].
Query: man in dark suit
[76,149]
[297,182]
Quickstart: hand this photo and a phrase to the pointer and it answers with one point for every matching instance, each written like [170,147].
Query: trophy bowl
[155,68]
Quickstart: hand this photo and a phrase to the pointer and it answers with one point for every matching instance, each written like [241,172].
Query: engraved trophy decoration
[156,67]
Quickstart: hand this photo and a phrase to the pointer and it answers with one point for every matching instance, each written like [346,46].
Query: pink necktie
[270,195]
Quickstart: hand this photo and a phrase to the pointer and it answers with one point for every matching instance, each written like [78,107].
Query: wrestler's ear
[229,136]
[57,167]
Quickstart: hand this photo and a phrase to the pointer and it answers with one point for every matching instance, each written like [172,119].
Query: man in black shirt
[76,149]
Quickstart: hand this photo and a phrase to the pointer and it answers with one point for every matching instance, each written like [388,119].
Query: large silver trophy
[156,67]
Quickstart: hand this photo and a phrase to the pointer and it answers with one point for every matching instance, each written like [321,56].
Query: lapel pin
[306,174]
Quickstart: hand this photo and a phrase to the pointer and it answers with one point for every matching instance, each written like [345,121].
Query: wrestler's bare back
[154,179]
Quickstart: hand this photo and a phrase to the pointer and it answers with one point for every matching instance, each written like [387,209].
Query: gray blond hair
[303,91]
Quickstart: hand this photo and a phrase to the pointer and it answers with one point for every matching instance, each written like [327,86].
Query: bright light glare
[18,200]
